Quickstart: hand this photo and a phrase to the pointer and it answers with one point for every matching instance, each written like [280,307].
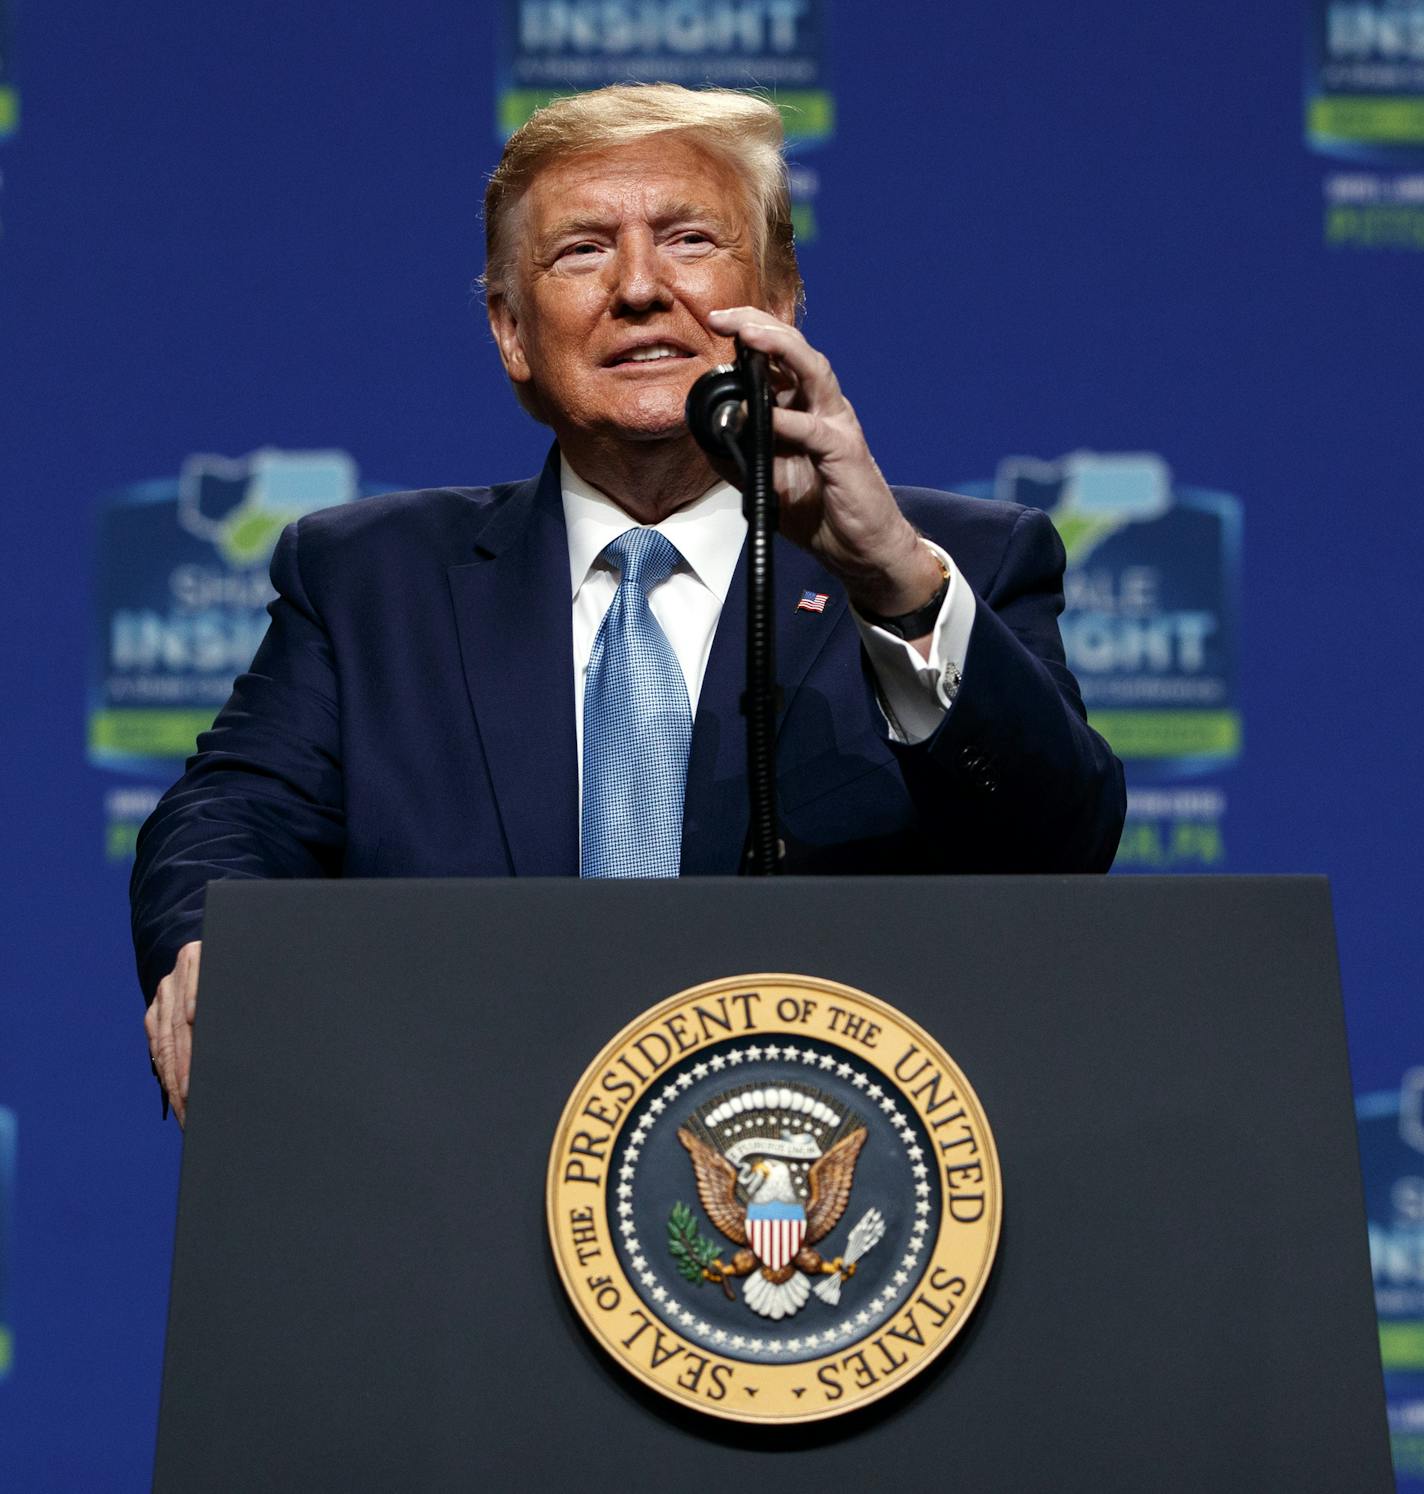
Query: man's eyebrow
[662,215]
[689,212]
[573,226]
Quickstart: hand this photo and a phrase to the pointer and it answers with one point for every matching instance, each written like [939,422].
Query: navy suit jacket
[411,713]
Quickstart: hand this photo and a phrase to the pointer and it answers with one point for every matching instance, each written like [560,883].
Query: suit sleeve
[262,796]
[1014,768]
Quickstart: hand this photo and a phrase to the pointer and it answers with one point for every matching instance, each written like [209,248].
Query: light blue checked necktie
[637,725]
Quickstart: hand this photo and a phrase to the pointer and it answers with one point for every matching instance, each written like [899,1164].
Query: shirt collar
[708,532]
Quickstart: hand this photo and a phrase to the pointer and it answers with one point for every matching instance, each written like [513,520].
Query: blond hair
[738,128]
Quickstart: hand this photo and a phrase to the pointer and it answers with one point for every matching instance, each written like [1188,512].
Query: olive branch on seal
[689,1247]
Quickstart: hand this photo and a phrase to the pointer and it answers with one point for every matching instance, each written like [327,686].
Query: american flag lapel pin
[812,601]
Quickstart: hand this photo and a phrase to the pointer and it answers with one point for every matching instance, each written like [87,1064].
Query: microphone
[716,404]
[729,413]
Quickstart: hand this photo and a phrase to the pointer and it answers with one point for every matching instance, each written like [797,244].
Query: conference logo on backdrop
[7,1236]
[1364,109]
[551,48]
[180,605]
[1391,1131]
[1150,630]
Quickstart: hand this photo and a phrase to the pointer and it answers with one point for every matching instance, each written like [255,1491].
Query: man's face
[622,253]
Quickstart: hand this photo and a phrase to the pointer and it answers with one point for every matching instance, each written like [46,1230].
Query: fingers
[189,958]
[158,1025]
[801,430]
[834,438]
[758,329]
[729,320]
[168,1024]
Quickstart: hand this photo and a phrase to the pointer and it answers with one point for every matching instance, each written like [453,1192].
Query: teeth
[646,355]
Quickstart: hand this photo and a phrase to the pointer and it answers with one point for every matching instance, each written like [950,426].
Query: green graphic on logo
[1402,1345]
[806,114]
[144,733]
[1170,734]
[1099,494]
[9,92]
[273,488]
[1169,842]
[1083,533]
[1367,119]
[1375,225]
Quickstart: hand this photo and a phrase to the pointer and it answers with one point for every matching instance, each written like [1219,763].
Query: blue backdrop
[1179,248]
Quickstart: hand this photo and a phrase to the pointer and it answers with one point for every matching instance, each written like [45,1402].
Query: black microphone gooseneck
[729,413]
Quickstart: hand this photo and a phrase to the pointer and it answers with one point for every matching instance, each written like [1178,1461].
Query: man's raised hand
[834,502]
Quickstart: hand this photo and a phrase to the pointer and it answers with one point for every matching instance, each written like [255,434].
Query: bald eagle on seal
[774,1228]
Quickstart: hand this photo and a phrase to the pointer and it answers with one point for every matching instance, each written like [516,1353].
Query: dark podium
[364,1296]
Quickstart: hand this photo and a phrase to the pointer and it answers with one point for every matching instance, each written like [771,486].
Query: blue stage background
[1099,232]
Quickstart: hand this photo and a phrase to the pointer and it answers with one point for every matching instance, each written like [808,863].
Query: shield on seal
[775,1232]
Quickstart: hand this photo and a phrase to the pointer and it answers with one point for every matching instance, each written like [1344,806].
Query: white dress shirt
[914,692]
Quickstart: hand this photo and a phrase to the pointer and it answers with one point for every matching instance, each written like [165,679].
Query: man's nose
[639,283]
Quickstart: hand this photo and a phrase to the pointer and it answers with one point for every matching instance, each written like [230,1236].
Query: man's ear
[505,326]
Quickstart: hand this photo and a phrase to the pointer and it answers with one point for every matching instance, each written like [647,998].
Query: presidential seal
[774,1198]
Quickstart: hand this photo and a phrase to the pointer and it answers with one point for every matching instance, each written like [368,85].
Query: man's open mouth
[653,352]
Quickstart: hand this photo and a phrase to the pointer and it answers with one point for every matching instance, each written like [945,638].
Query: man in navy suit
[426,703]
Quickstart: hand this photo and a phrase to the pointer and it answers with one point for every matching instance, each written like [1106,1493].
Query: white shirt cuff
[915,693]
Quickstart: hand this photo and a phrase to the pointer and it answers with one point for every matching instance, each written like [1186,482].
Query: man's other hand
[169,1025]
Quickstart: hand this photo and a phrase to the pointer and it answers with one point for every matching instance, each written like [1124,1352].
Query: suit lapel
[714,825]
[513,620]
